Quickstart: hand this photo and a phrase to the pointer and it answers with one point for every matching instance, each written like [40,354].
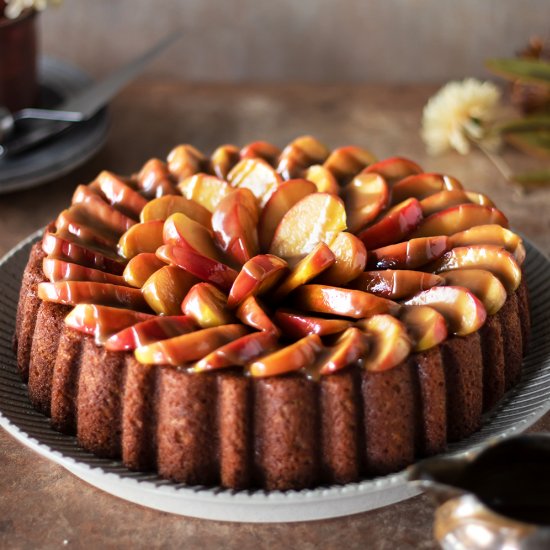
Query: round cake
[272,319]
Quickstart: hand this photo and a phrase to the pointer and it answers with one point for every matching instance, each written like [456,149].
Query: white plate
[529,401]
[64,152]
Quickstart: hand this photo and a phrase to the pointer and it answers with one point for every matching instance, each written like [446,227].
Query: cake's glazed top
[277,261]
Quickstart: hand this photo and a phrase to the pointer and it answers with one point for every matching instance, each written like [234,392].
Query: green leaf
[536,122]
[527,70]
[537,178]
[533,142]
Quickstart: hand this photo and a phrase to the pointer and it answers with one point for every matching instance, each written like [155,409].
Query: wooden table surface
[41,504]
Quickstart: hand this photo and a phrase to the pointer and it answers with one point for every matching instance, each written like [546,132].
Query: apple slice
[208,191]
[295,324]
[256,277]
[234,223]
[207,306]
[156,180]
[350,260]
[283,199]
[80,223]
[141,267]
[238,353]
[341,301]
[142,237]
[299,154]
[409,254]
[102,322]
[489,257]
[72,293]
[425,325]
[223,159]
[252,313]
[482,283]
[299,355]
[323,179]
[316,218]
[149,331]
[261,150]
[446,199]
[119,194]
[394,227]
[59,270]
[394,169]
[256,175]
[491,234]
[165,289]
[317,261]
[163,207]
[186,160]
[365,197]
[57,246]
[395,284]
[389,343]
[421,186]
[459,218]
[347,350]
[182,231]
[188,347]
[347,162]
[463,312]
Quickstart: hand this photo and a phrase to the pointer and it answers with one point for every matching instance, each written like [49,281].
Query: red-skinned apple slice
[207,306]
[163,207]
[389,343]
[79,222]
[394,227]
[345,302]
[150,331]
[350,260]
[394,169]
[347,162]
[316,218]
[299,154]
[156,180]
[85,292]
[59,270]
[365,197]
[459,218]
[223,159]
[490,257]
[141,267]
[323,179]
[261,150]
[463,312]
[234,223]
[256,277]
[283,199]
[421,186]
[256,175]
[408,254]
[188,347]
[317,261]
[294,357]
[395,284]
[102,322]
[239,352]
[252,313]
[182,231]
[491,234]
[425,325]
[142,237]
[185,160]
[208,191]
[295,324]
[486,286]
[119,194]
[165,289]
[445,199]
[350,347]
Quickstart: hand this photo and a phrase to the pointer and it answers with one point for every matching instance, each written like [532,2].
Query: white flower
[14,8]
[458,112]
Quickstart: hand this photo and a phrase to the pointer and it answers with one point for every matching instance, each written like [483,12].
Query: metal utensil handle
[48,114]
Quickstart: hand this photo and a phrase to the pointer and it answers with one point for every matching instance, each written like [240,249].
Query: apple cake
[272,319]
